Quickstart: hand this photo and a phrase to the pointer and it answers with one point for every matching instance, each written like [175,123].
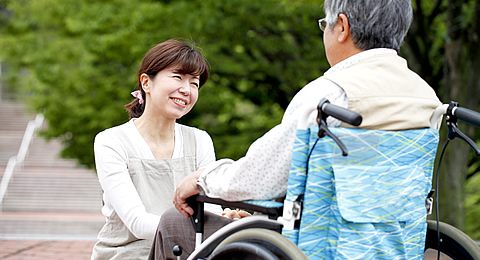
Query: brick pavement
[45,249]
[48,235]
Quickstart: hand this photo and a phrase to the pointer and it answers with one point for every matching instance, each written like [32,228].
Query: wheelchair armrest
[270,208]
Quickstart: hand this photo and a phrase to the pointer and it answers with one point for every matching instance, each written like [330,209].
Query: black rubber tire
[269,240]
[454,243]
[243,251]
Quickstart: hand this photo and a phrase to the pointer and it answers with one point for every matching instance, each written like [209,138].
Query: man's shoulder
[318,87]
[310,95]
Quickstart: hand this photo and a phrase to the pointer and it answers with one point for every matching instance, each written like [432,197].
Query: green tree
[76,62]
[442,46]
[462,62]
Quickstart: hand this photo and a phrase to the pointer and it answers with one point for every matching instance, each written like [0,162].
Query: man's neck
[353,59]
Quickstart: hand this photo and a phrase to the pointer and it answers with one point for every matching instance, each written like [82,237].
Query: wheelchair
[371,204]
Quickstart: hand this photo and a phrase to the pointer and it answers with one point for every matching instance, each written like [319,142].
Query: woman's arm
[119,192]
[206,155]
[205,148]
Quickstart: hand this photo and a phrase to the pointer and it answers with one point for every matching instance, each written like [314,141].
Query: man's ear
[345,28]
[145,81]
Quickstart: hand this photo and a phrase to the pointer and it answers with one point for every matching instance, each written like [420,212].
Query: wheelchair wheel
[243,251]
[257,243]
[454,244]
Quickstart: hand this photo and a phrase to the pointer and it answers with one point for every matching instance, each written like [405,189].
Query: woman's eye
[195,84]
[177,76]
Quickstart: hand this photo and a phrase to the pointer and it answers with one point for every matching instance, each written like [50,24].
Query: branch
[475,34]
[436,11]
[420,16]
[470,175]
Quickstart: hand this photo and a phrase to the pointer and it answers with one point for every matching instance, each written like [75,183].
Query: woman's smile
[179,101]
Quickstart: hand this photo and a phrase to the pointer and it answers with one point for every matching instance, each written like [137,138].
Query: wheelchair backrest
[367,205]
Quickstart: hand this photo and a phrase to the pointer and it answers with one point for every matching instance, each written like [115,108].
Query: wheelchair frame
[454,243]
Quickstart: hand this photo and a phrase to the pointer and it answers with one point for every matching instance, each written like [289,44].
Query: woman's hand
[235,214]
[185,189]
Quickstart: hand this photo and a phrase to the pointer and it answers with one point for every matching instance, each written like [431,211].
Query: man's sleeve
[263,173]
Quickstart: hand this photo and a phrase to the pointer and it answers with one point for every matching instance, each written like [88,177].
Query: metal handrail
[15,160]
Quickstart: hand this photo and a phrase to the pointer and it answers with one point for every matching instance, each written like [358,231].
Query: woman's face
[172,94]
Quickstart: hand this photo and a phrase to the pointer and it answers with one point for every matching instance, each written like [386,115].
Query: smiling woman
[139,163]
[178,59]
[178,92]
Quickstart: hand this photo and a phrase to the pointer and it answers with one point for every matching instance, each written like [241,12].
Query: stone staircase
[47,197]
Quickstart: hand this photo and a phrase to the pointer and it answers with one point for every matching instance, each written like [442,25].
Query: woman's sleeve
[111,163]
[206,155]
[205,148]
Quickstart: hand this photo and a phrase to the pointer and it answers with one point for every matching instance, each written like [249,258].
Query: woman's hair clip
[138,95]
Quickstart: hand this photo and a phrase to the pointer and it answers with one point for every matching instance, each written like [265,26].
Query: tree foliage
[76,60]
[442,46]
[79,59]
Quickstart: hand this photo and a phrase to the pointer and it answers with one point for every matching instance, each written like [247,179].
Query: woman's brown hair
[171,53]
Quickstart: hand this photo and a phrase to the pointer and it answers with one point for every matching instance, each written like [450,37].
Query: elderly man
[361,38]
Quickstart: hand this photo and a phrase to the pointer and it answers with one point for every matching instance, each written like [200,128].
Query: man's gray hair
[373,23]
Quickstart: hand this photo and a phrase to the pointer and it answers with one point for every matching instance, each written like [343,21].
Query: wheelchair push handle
[454,112]
[326,109]
[339,113]
[464,114]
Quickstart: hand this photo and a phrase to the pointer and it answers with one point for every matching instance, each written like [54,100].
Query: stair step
[44,182]
[50,224]
[48,196]
[14,116]
[52,192]
[51,206]
[53,189]
[64,207]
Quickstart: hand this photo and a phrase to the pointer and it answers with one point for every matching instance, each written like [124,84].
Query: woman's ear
[145,81]
[344,27]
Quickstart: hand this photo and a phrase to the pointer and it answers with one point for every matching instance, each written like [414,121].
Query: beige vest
[155,181]
[387,94]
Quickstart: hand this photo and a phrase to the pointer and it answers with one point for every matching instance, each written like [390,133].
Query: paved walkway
[48,235]
[45,249]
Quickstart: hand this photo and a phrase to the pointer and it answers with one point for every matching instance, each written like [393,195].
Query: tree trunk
[461,84]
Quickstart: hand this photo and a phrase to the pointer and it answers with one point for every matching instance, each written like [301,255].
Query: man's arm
[263,173]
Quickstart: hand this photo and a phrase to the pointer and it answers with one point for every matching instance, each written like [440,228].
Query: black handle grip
[467,115]
[342,114]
